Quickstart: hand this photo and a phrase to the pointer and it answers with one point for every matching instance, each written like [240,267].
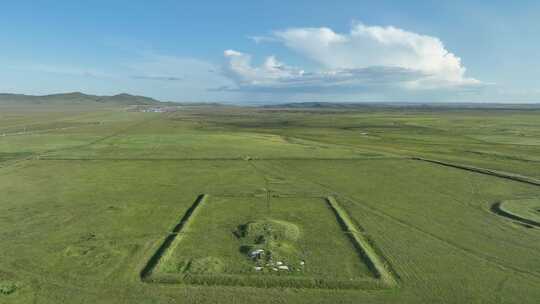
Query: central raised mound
[269,230]
[271,244]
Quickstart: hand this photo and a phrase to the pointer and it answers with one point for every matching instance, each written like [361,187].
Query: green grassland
[88,194]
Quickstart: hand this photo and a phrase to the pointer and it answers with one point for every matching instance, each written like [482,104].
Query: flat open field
[88,196]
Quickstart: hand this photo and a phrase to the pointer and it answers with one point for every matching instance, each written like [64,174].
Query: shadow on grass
[168,241]
[528,223]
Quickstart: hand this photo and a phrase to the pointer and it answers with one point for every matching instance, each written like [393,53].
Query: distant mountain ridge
[76,98]
[410,105]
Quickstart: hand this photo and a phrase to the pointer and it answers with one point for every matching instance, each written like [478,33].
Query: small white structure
[283,267]
[258,268]
[256,254]
[302,263]
[279,263]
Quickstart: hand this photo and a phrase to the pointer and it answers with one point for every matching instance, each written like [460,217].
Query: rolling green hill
[76,98]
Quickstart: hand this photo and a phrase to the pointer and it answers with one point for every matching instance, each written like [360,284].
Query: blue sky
[270,51]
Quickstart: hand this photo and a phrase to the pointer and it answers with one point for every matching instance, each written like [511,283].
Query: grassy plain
[88,194]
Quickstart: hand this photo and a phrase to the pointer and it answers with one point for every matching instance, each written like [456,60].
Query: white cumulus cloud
[268,74]
[364,57]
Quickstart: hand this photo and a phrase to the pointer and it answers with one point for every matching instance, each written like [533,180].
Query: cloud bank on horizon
[367,58]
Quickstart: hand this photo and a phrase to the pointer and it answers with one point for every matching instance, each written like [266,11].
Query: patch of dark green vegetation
[8,287]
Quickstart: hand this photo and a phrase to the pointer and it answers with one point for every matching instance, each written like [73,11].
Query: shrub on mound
[7,287]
